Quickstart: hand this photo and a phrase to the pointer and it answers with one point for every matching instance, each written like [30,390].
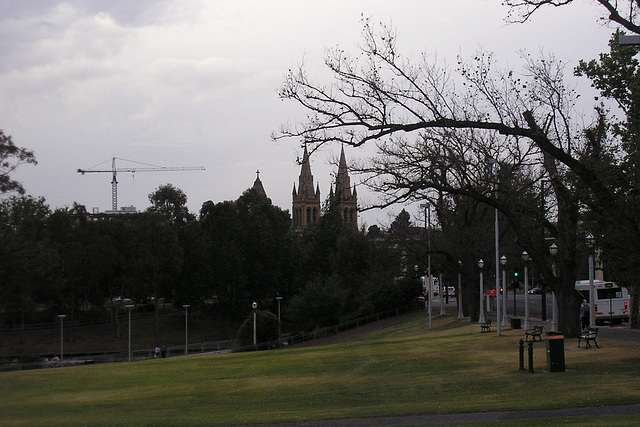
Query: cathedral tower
[306,200]
[257,185]
[344,196]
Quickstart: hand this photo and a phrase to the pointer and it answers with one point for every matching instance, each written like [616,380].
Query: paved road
[473,417]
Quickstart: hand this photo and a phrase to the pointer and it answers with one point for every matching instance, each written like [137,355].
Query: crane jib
[114,170]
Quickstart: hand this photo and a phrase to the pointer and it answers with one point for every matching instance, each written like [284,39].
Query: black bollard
[521,356]
[530,356]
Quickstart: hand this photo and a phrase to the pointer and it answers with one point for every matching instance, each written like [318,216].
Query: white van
[611,303]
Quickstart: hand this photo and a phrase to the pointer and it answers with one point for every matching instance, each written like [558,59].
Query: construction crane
[114,171]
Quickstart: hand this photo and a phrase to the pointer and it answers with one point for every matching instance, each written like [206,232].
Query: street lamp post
[591,241]
[497,244]
[553,250]
[279,298]
[421,282]
[61,317]
[441,293]
[459,291]
[186,328]
[481,319]
[503,261]
[526,259]
[255,335]
[129,307]
[427,217]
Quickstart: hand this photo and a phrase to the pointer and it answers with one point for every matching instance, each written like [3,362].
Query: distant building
[343,195]
[257,185]
[306,198]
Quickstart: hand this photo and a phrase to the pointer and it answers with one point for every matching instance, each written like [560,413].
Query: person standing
[584,314]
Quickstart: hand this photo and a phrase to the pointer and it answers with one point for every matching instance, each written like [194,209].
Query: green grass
[402,370]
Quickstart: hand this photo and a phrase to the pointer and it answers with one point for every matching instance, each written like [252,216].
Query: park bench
[589,334]
[486,326]
[533,333]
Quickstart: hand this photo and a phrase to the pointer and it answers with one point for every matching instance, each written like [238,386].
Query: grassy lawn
[401,370]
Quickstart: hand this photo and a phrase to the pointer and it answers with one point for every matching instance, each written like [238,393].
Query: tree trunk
[569,313]
[634,316]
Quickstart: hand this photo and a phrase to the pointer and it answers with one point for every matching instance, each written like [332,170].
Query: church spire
[344,197]
[306,200]
[257,185]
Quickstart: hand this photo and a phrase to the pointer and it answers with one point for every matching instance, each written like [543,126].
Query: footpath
[472,417]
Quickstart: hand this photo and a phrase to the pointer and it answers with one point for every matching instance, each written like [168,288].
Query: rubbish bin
[515,323]
[555,353]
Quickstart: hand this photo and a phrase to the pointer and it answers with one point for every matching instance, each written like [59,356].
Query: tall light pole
[459,291]
[186,328]
[129,307]
[255,334]
[497,244]
[526,258]
[421,281]
[481,319]
[61,317]
[427,217]
[441,292]
[591,242]
[503,261]
[279,298]
[553,250]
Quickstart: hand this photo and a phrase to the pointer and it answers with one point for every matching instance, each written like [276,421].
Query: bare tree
[623,12]
[434,128]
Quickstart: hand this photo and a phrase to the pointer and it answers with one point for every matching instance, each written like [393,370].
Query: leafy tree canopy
[11,157]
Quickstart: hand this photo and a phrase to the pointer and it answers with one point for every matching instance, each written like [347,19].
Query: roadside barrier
[521,355]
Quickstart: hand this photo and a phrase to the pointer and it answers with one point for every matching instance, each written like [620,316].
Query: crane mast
[114,171]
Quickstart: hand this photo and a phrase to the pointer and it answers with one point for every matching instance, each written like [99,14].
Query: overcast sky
[194,83]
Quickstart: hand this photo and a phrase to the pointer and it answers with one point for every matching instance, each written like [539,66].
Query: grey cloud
[124,12]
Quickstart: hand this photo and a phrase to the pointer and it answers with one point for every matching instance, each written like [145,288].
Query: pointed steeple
[343,184]
[305,180]
[306,200]
[346,199]
[257,185]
